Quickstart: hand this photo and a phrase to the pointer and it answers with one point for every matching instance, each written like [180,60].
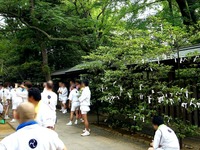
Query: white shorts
[15,105]
[63,100]
[84,109]
[75,106]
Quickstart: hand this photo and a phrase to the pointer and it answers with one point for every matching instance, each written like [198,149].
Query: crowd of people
[36,113]
[23,96]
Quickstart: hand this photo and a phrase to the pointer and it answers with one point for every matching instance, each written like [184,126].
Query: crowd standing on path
[36,113]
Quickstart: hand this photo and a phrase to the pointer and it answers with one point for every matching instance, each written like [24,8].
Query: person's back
[166,138]
[32,137]
[50,99]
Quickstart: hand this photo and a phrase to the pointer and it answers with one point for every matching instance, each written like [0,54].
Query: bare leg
[77,115]
[71,115]
[86,121]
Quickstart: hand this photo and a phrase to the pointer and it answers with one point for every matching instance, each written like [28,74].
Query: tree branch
[46,34]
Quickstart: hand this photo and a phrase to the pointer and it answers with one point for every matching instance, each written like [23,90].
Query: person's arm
[157,139]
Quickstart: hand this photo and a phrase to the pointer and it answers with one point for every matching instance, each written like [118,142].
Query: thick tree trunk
[188,11]
[45,66]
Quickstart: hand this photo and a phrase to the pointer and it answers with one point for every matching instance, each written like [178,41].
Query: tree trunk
[45,66]
[187,11]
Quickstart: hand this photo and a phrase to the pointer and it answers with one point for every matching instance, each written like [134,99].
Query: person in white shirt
[59,95]
[64,97]
[165,138]
[50,98]
[44,115]
[5,98]
[29,134]
[75,104]
[16,100]
[85,106]
[23,93]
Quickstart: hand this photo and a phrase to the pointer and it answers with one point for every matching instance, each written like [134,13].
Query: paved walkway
[100,139]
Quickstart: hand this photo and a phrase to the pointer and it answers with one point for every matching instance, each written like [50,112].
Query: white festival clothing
[64,94]
[23,93]
[85,97]
[45,116]
[16,100]
[59,94]
[165,139]
[75,106]
[4,95]
[73,97]
[32,137]
[50,99]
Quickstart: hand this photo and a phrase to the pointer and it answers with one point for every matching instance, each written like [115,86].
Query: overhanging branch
[46,34]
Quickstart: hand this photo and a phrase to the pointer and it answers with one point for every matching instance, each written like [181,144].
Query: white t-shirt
[32,137]
[23,93]
[14,97]
[50,99]
[85,97]
[4,95]
[64,93]
[73,96]
[166,139]
[45,116]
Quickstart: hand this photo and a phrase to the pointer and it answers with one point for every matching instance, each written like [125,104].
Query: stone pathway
[100,139]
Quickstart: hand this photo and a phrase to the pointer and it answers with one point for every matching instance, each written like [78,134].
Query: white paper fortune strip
[186,93]
[171,101]
[193,104]
[129,95]
[198,104]
[121,90]
[149,99]
[195,58]
[184,105]
[141,96]
[160,99]
[141,87]
[158,60]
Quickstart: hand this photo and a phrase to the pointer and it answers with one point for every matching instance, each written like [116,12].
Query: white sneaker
[12,121]
[87,133]
[64,111]
[86,130]
[6,118]
[81,120]
[76,122]
[61,109]
[69,123]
